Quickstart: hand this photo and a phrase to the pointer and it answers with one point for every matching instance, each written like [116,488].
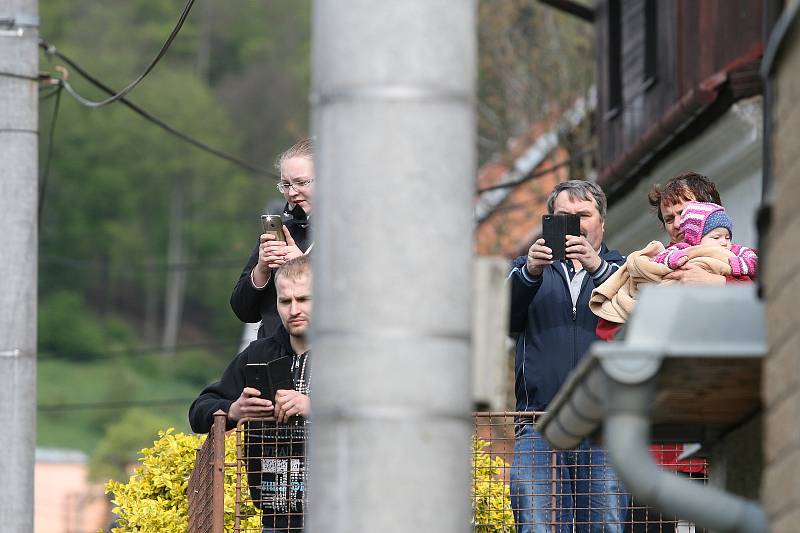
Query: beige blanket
[615,299]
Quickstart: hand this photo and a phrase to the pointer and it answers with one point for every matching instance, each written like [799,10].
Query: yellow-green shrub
[154,498]
[491,495]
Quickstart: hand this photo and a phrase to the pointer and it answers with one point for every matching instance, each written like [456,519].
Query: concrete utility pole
[393,98]
[19,66]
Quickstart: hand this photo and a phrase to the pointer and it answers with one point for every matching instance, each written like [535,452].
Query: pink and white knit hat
[698,218]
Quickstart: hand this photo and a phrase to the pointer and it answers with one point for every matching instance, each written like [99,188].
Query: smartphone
[279,375]
[555,228]
[273,224]
[269,378]
[255,376]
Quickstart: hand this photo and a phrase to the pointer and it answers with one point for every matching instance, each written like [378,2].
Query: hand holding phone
[555,229]
[251,403]
[273,225]
[269,378]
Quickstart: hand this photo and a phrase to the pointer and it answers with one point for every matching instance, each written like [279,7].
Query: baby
[706,223]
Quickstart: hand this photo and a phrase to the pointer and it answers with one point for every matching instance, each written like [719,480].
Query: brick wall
[781,480]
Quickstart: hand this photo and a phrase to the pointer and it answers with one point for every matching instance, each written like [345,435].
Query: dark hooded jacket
[251,304]
[275,453]
[552,334]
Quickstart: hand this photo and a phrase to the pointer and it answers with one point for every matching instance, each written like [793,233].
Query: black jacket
[251,304]
[552,334]
[223,393]
[275,453]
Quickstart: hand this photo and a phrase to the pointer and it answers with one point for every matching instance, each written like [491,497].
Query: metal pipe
[218,476]
[578,411]
[775,32]
[627,439]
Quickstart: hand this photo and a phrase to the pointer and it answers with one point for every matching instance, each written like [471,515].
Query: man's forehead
[293,284]
[564,201]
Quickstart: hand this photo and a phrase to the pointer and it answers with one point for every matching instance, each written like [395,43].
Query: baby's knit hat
[698,218]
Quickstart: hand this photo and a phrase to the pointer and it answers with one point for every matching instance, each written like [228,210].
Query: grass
[119,380]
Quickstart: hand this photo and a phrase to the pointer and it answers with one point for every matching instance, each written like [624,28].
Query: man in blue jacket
[554,327]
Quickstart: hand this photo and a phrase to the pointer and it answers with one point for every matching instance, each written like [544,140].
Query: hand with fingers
[272,253]
[579,249]
[291,249]
[251,405]
[289,403]
[694,274]
[539,256]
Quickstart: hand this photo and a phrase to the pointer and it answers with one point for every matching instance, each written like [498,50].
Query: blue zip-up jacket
[552,335]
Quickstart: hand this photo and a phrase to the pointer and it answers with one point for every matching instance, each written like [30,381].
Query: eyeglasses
[284,186]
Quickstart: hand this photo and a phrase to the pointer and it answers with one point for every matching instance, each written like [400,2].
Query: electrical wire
[53,91]
[49,157]
[19,76]
[122,404]
[121,94]
[52,51]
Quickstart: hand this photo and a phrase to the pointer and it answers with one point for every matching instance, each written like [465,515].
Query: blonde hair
[295,268]
[302,148]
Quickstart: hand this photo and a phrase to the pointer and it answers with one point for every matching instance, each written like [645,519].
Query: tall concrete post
[393,89]
[19,65]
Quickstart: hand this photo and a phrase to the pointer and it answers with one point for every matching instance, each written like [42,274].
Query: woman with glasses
[254,296]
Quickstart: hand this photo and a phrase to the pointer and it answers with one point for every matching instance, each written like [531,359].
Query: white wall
[729,152]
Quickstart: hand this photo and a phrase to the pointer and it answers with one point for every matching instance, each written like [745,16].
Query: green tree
[533,61]
[122,442]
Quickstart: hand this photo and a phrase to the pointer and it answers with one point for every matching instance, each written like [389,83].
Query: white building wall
[729,153]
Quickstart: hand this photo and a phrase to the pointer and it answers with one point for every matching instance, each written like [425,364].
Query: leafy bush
[491,495]
[154,498]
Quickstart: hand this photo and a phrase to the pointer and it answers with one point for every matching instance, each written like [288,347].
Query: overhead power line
[52,51]
[49,157]
[118,96]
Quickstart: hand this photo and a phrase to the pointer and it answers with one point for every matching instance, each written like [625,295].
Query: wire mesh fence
[206,484]
[520,484]
[271,472]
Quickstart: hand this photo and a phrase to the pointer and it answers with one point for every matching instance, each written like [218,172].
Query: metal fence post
[218,481]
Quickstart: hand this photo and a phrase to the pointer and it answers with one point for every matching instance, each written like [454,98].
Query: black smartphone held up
[269,378]
[255,376]
[555,228]
[273,224]
[279,375]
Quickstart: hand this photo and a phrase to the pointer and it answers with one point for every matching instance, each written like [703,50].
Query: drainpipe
[775,33]
[593,397]
[615,384]
[627,438]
